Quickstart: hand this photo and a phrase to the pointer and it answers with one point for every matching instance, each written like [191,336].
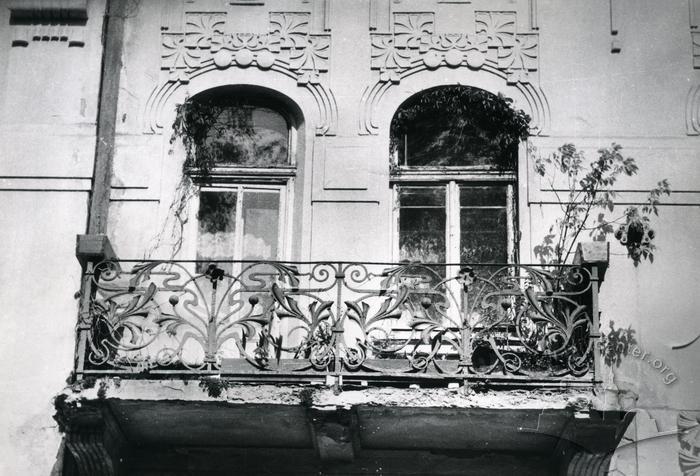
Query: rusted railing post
[90,250]
[595,322]
[338,328]
[594,257]
[84,318]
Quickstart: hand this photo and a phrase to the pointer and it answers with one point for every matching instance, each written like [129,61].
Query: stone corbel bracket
[495,48]
[288,48]
[92,437]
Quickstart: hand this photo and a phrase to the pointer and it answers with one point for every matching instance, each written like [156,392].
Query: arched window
[247,134]
[454,156]
[241,155]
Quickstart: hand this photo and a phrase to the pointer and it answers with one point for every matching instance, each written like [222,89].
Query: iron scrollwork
[367,319]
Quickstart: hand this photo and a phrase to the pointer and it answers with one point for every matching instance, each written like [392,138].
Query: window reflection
[251,136]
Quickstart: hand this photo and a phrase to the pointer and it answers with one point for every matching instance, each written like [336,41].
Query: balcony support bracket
[94,440]
[335,433]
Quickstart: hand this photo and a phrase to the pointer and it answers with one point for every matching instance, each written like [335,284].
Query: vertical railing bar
[84,318]
[466,357]
[595,317]
[338,328]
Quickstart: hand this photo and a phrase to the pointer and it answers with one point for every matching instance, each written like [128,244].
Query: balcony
[341,322]
[498,360]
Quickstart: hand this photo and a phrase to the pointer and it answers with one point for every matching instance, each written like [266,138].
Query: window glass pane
[484,224]
[438,140]
[422,197]
[217,227]
[261,224]
[483,196]
[422,223]
[251,136]
[457,126]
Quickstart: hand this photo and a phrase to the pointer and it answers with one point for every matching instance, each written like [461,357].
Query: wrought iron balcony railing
[364,321]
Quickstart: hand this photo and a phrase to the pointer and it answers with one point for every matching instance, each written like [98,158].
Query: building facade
[246,237]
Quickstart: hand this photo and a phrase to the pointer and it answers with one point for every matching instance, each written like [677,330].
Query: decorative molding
[203,45]
[694,17]
[495,47]
[695,37]
[615,14]
[41,21]
[414,41]
[534,25]
[692,111]
[10,183]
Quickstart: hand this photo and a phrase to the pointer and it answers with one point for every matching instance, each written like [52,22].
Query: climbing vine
[209,130]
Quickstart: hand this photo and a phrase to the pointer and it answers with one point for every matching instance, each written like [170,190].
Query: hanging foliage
[229,131]
[458,125]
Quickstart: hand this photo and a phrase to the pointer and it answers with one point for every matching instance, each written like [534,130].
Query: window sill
[411,174]
[249,174]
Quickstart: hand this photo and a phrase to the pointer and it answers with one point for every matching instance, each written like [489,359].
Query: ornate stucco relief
[288,47]
[692,111]
[495,47]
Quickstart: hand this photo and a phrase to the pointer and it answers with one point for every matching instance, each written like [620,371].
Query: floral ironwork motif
[414,44]
[289,44]
[344,318]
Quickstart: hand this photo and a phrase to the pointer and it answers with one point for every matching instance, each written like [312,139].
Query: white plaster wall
[39,277]
[636,97]
[48,92]
[48,104]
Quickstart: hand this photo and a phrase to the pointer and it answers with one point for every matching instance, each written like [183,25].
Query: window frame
[452,177]
[240,189]
[234,177]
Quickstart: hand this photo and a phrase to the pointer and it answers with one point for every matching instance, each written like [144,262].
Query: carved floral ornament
[414,43]
[288,47]
[289,42]
[495,47]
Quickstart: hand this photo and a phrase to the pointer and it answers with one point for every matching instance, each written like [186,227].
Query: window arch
[454,156]
[241,145]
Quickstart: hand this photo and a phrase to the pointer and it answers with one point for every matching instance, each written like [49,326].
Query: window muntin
[452,148]
[240,223]
[454,222]
[244,166]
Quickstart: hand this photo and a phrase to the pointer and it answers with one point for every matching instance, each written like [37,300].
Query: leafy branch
[452,123]
[589,196]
